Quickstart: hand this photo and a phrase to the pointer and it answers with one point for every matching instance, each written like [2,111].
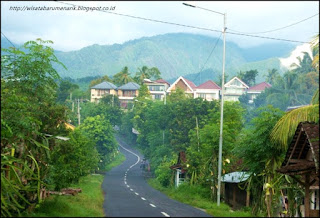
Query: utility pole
[72,106]
[197,133]
[221,117]
[112,100]
[222,96]
[78,112]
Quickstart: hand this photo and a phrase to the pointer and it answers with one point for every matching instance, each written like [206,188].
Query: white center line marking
[136,193]
[143,198]
[128,186]
[125,182]
[131,189]
[152,205]
[165,214]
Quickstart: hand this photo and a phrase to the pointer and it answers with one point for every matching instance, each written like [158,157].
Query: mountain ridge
[174,54]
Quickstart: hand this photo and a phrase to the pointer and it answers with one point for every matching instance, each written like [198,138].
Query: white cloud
[74,29]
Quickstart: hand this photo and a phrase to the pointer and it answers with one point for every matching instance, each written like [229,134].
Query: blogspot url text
[73,8]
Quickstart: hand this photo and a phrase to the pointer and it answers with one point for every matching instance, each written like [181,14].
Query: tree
[72,159]
[147,73]
[99,80]
[272,76]
[249,77]
[122,77]
[28,111]
[261,157]
[65,90]
[99,130]
[286,126]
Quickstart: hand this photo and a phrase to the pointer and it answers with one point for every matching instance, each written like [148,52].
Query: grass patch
[89,203]
[118,159]
[86,204]
[196,197]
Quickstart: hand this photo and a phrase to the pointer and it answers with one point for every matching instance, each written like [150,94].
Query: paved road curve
[127,194]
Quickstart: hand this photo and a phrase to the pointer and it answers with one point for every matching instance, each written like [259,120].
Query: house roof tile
[162,81]
[260,87]
[208,85]
[129,86]
[104,85]
[190,83]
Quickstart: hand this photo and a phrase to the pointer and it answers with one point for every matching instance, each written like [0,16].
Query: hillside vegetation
[175,55]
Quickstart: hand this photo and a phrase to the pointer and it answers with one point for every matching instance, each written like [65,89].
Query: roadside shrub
[72,159]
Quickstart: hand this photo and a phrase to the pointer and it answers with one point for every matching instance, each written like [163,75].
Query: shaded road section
[127,194]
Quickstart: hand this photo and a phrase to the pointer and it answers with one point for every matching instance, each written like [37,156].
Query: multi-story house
[102,89]
[186,85]
[127,92]
[208,90]
[254,91]
[234,89]
[157,88]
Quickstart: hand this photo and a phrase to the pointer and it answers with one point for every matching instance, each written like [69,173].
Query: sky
[75,29]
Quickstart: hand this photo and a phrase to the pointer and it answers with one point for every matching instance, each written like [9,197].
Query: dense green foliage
[101,132]
[33,158]
[72,159]
[192,125]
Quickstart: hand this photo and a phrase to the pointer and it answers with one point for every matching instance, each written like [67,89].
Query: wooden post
[248,199]
[307,196]
[234,196]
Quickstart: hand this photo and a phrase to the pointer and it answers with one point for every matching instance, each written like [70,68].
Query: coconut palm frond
[286,126]
[315,98]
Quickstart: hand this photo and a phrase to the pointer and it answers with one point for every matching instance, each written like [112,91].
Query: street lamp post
[222,98]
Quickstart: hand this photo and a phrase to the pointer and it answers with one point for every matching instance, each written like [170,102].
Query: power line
[194,27]
[8,40]
[148,19]
[269,31]
[265,37]
[208,57]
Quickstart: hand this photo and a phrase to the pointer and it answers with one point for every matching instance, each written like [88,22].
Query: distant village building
[127,92]
[254,91]
[208,90]
[234,89]
[102,89]
[186,85]
[157,89]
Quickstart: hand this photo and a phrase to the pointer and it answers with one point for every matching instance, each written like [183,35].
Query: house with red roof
[157,88]
[254,91]
[186,85]
[208,90]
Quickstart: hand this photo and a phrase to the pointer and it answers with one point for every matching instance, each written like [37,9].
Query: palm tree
[143,73]
[272,76]
[286,126]
[146,73]
[122,77]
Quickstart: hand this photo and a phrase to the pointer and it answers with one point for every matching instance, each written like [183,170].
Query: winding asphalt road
[127,194]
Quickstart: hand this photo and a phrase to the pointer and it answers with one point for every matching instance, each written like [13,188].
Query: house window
[129,93]
[202,95]
[156,88]
[158,97]
[102,92]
